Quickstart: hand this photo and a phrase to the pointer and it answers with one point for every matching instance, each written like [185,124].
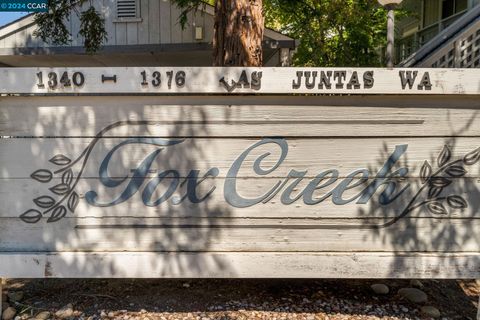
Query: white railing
[457,46]
[462,51]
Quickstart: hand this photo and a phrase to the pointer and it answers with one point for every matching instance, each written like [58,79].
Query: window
[127,9]
[451,7]
[430,14]
[436,10]
[461,5]
[448,8]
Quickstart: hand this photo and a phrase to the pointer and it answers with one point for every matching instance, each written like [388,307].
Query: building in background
[440,33]
[140,32]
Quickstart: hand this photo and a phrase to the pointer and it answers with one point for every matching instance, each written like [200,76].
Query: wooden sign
[190,80]
[180,185]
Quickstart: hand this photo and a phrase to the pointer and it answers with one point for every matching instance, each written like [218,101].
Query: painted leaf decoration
[67,177]
[73,201]
[426,171]
[456,171]
[457,202]
[444,156]
[434,192]
[57,214]
[42,175]
[440,182]
[31,216]
[437,208]
[472,157]
[60,189]
[60,160]
[44,201]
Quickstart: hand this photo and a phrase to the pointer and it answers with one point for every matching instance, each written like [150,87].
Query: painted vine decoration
[57,209]
[437,181]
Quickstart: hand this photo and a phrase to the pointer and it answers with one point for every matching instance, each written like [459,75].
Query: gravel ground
[237,299]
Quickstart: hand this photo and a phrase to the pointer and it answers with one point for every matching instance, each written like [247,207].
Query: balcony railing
[411,44]
[452,42]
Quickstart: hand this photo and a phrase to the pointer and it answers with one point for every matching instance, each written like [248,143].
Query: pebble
[416,283]
[380,288]
[9,313]
[430,311]
[65,312]
[44,315]
[15,296]
[413,295]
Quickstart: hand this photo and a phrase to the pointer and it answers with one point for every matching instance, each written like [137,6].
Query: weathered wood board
[143,185]
[207,80]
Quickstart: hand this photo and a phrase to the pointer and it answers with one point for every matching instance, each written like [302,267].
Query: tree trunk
[238,34]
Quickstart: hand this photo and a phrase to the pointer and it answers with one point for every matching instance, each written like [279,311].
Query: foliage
[188,6]
[332,32]
[51,25]
[92,29]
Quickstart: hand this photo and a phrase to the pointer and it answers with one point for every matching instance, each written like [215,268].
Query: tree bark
[238,35]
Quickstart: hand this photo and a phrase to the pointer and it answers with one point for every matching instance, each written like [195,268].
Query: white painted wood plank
[10,41]
[108,11]
[208,27]
[207,80]
[144,25]
[240,235]
[153,21]
[33,41]
[18,195]
[165,20]
[240,265]
[175,27]
[77,40]
[132,33]
[120,34]
[188,31]
[20,157]
[21,38]
[58,118]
